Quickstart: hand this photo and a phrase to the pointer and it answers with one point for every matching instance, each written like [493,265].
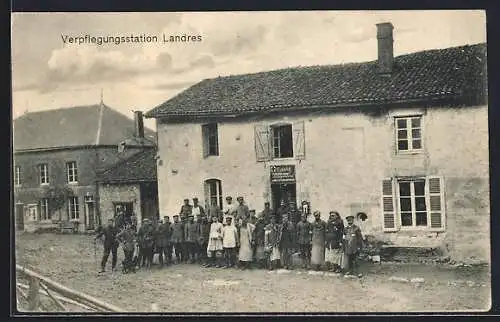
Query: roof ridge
[58,109]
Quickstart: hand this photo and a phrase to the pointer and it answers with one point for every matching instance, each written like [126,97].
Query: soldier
[186,210]
[304,232]
[110,244]
[197,209]
[242,211]
[191,238]
[287,242]
[178,239]
[267,212]
[230,210]
[127,237]
[260,255]
[272,241]
[162,240]
[145,236]
[353,242]
[204,235]
[334,232]
[318,241]
[214,210]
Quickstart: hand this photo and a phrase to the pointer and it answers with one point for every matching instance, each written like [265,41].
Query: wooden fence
[61,298]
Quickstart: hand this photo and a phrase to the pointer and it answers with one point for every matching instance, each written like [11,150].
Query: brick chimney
[385,47]
[139,124]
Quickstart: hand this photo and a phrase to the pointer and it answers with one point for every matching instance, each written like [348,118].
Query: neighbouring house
[402,139]
[57,154]
[130,185]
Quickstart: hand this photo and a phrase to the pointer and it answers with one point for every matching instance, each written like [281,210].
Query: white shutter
[436,202]
[299,148]
[389,212]
[262,143]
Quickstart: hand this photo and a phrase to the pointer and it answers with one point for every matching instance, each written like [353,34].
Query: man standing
[229,242]
[273,234]
[127,237]
[214,210]
[230,209]
[267,212]
[334,233]
[110,244]
[242,211]
[186,210]
[304,232]
[145,236]
[191,238]
[353,242]
[204,236]
[259,232]
[318,241]
[287,242]
[197,210]
[246,242]
[162,240]
[178,239]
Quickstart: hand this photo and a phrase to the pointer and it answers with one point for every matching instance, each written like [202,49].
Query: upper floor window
[72,172]
[73,208]
[44,209]
[210,139]
[280,141]
[413,203]
[409,133]
[44,173]
[17,175]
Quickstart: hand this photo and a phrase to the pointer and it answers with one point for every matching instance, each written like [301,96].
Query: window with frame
[73,208]
[43,170]
[210,139]
[413,203]
[71,172]
[17,175]
[409,133]
[44,209]
[213,192]
[282,143]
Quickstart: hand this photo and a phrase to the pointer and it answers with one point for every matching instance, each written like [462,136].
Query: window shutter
[204,138]
[436,203]
[299,148]
[262,143]
[388,206]
[207,195]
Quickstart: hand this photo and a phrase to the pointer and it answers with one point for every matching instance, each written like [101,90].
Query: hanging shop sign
[282,174]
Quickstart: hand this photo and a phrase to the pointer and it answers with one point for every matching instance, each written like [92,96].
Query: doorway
[283,192]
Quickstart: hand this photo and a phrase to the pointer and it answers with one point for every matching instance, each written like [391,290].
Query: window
[73,208]
[413,203]
[44,173]
[17,175]
[210,139]
[282,141]
[44,209]
[72,172]
[409,133]
[213,192]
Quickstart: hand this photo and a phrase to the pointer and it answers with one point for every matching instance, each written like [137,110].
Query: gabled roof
[74,126]
[140,167]
[451,73]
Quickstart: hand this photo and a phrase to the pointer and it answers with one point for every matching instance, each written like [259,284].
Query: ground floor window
[44,209]
[413,203]
[213,192]
[73,208]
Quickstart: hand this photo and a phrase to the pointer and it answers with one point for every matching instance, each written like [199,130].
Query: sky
[48,73]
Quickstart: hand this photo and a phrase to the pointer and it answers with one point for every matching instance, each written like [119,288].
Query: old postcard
[295,161]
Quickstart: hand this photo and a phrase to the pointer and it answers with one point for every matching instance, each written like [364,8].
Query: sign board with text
[283,174]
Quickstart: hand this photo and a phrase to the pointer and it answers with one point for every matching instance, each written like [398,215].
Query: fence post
[34,294]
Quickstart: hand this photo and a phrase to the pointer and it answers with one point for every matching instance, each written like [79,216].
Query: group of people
[237,238]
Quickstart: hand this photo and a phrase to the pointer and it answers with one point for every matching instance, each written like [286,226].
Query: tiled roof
[450,73]
[74,126]
[139,167]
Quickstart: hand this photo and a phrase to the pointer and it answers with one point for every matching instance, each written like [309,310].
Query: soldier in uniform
[127,237]
[267,212]
[353,242]
[230,210]
[259,232]
[204,236]
[272,237]
[186,210]
[318,241]
[191,238]
[304,232]
[145,236]
[242,211]
[287,241]
[178,239]
[162,240]
[110,244]
[214,210]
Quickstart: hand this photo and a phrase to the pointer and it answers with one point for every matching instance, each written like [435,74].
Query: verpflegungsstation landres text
[128,39]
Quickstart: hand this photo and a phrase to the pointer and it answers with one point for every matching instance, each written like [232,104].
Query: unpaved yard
[70,260]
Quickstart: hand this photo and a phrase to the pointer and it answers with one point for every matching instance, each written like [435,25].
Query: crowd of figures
[236,238]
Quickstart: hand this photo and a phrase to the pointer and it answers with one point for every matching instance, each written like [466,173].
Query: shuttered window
[280,141]
[413,203]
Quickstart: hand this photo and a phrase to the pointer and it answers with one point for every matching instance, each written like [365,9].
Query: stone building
[57,154]
[403,139]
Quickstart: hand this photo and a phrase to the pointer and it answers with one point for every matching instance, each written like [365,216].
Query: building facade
[57,155]
[402,139]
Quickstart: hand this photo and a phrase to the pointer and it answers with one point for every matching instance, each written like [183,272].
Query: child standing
[229,242]
[215,241]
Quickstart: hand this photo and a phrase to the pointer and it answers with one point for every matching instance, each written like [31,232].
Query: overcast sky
[49,74]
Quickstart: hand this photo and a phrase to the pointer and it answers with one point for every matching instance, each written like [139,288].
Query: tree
[57,196]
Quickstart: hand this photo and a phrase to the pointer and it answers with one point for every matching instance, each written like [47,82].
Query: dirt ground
[70,260]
